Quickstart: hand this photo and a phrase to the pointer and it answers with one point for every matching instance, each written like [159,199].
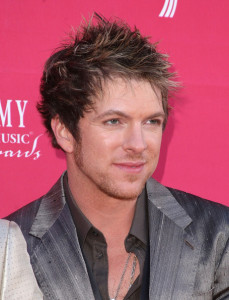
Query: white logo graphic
[168,9]
[14,141]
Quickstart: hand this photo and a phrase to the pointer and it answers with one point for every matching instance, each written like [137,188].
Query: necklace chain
[123,274]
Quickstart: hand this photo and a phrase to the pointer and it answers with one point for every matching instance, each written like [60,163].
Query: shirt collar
[139,227]
[83,225]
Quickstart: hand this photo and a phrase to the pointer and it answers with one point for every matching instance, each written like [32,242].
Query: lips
[130,167]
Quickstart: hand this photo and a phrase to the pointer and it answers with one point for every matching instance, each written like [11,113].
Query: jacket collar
[58,247]
[50,209]
[53,203]
[174,252]
[161,197]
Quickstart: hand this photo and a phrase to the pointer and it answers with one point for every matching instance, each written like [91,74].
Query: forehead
[135,94]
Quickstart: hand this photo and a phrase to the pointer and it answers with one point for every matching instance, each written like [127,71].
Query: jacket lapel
[59,265]
[57,258]
[173,251]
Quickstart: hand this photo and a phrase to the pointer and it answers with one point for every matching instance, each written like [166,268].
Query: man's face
[120,139]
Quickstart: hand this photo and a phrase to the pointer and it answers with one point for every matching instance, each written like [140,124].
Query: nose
[134,140]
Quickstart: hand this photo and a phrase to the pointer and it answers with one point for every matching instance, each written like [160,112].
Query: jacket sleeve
[17,280]
[221,284]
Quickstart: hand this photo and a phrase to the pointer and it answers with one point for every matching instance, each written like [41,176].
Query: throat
[108,218]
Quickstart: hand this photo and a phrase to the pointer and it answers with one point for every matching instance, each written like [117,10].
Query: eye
[154,122]
[112,122]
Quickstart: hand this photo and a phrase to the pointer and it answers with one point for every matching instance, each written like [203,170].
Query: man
[106,229]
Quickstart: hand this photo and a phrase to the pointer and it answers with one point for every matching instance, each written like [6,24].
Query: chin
[126,192]
[124,196]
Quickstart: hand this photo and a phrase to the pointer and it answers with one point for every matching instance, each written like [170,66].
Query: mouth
[130,167]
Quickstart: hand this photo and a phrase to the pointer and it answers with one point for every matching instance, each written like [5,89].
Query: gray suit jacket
[189,250]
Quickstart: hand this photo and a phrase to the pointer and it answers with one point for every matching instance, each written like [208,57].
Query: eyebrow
[112,112]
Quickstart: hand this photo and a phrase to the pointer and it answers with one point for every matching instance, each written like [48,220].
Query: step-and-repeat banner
[195,34]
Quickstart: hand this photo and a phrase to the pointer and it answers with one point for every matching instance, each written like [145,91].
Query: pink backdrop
[195,147]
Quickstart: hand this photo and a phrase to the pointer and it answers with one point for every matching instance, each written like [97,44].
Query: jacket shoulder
[25,216]
[198,207]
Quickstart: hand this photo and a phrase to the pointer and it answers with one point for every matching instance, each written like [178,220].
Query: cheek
[109,140]
[154,143]
[99,147]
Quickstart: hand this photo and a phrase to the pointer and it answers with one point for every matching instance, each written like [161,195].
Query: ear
[63,136]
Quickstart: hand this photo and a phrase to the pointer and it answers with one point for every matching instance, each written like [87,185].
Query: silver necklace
[123,274]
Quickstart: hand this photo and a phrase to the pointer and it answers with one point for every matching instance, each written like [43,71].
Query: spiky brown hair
[100,50]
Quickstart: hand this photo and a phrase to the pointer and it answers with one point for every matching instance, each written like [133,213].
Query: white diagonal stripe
[174,8]
[169,9]
[164,8]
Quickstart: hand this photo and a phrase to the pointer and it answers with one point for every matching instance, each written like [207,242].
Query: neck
[104,212]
